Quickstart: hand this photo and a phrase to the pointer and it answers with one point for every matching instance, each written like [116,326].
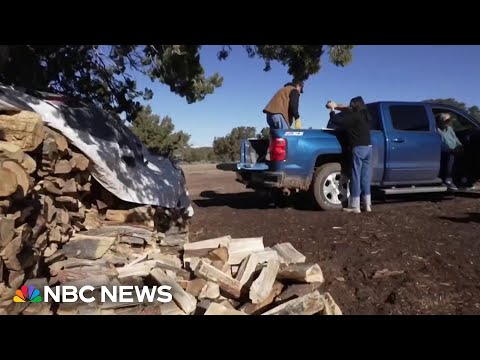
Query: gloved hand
[298,124]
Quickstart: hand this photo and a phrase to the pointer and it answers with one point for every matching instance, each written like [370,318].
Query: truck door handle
[398,140]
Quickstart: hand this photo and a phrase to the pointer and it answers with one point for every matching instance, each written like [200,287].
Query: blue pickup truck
[406,155]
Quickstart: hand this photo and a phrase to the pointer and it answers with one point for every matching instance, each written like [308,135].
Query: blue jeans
[276,121]
[361,174]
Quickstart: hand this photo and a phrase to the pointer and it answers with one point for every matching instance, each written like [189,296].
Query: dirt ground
[430,243]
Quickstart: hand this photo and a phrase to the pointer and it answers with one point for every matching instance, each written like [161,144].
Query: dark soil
[430,243]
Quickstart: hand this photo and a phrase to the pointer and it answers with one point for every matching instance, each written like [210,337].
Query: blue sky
[381,72]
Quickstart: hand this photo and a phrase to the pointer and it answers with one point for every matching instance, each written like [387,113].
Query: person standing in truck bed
[355,120]
[282,110]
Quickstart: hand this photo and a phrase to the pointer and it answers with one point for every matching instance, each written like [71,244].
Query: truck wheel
[330,187]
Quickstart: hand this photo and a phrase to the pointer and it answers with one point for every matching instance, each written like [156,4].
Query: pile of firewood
[47,194]
[221,276]
[58,226]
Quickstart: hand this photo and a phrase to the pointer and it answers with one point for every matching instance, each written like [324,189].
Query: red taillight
[278,149]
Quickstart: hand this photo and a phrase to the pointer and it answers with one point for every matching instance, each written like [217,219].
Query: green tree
[264,134]
[158,135]
[104,74]
[473,111]
[227,148]
[204,154]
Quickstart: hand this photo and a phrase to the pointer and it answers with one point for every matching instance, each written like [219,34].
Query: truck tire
[330,187]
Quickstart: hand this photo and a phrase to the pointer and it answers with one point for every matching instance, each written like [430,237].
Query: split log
[9,254]
[88,248]
[16,278]
[252,309]
[168,309]
[91,220]
[239,249]
[24,128]
[73,262]
[96,281]
[288,254]
[184,300]
[306,305]
[132,240]
[227,304]
[9,182]
[122,230]
[142,214]
[208,244]
[56,267]
[79,162]
[54,235]
[50,250]
[51,187]
[62,217]
[49,149]
[262,286]
[62,167]
[219,254]
[85,188]
[7,232]
[60,140]
[14,152]
[195,286]
[84,272]
[56,256]
[211,290]
[191,260]
[67,202]
[218,309]
[250,264]
[141,269]
[297,290]
[331,308]
[225,282]
[23,180]
[69,187]
[166,259]
[222,266]
[48,208]
[101,205]
[302,273]
[5,205]
[41,241]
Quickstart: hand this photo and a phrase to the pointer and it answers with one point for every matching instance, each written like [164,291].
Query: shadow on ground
[253,200]
[303,201]
[471,217]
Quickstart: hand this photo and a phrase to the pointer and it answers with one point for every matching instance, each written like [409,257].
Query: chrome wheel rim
[335,188]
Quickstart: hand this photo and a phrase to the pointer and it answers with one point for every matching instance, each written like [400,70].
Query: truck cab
[406,155]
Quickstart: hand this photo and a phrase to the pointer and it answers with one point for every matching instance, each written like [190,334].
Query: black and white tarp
[121,163]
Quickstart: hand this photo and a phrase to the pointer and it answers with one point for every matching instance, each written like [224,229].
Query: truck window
[409,118]
[374,113]
[459,122]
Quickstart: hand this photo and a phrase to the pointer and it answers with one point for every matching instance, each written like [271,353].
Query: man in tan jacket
[282,110]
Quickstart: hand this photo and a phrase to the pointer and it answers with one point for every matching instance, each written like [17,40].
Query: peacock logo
[27,294]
